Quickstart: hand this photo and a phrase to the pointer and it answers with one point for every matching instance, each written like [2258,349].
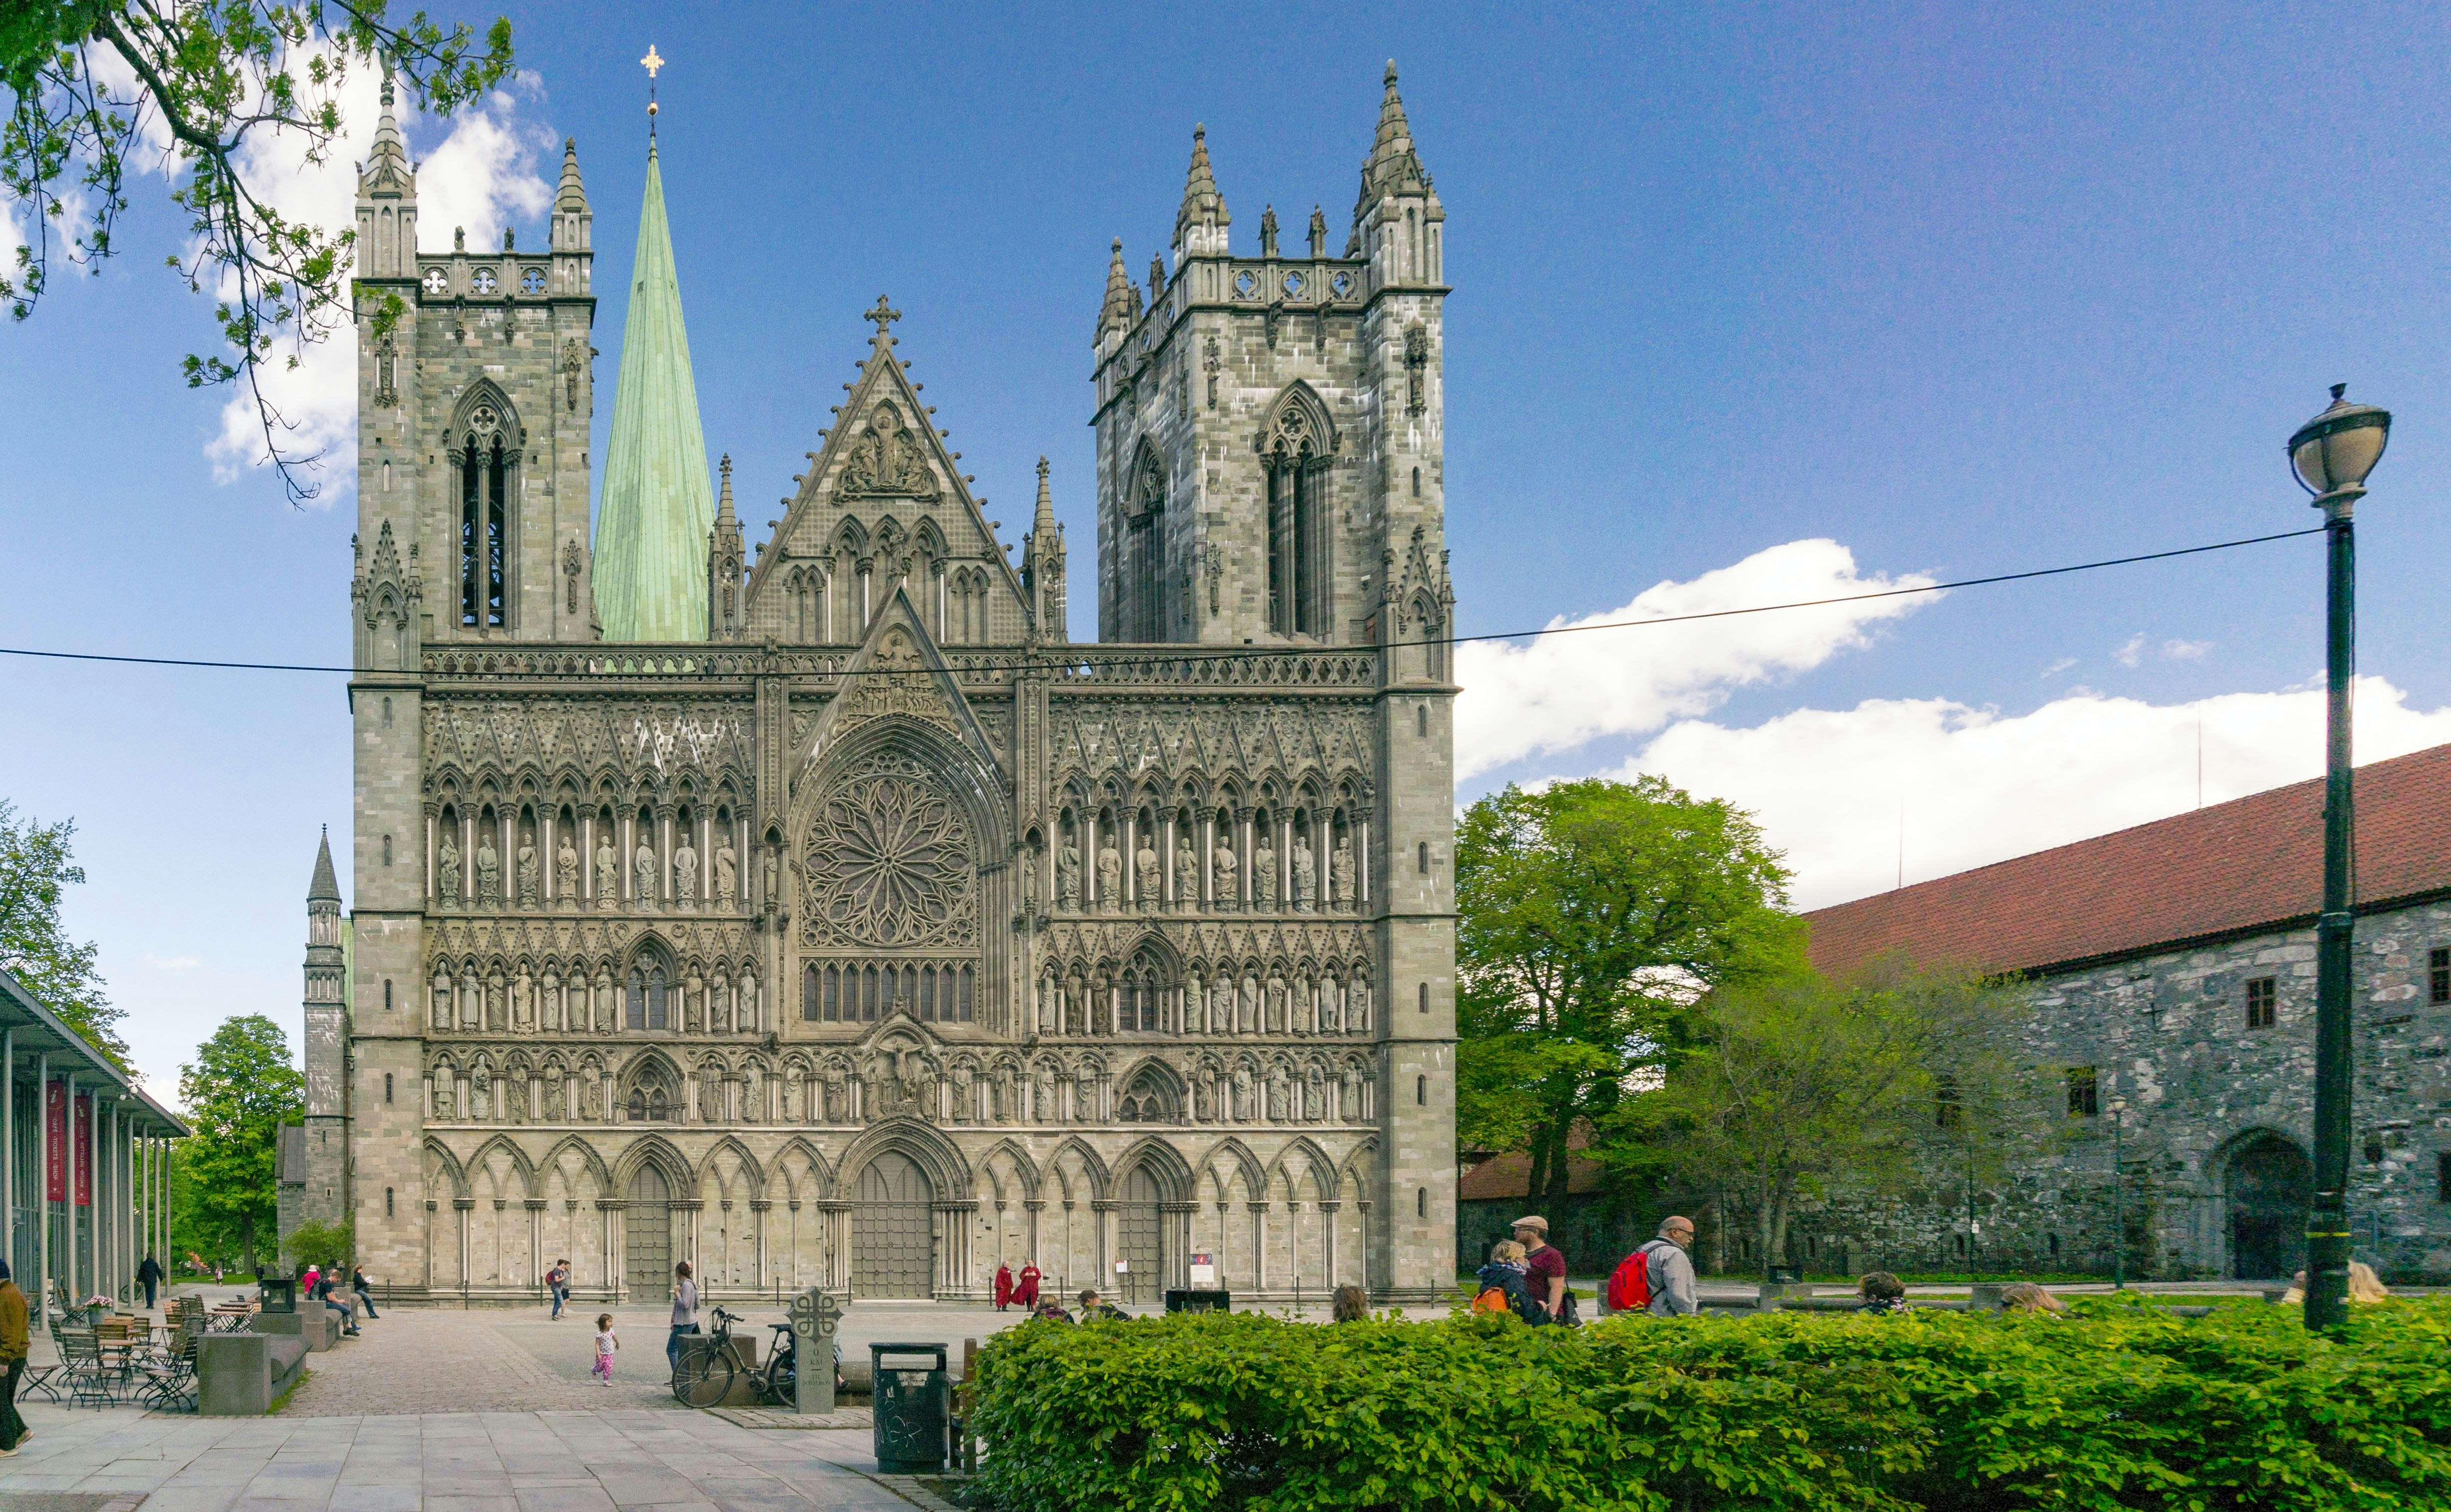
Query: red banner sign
[55,1142]
[85,1151]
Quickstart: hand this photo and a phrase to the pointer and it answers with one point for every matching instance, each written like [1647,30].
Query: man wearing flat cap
[1544,1266]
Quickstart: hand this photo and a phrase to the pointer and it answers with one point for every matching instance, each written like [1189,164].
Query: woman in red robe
[1003,1288]
[1027,1292]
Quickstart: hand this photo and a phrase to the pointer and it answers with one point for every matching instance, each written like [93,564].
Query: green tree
[1593,916]
[36,869]
[1799,1086]
[90,86]
[239,1090]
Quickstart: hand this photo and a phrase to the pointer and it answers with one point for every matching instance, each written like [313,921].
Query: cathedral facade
[812,907]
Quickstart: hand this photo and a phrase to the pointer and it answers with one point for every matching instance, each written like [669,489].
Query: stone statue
[1067,878]
[1221,871]
[1187,875]
[1276,1096]
[527,873]
[964,1079]
[1315,1095]
[1147,883]
[1242,1094]
[685,874]
[727,874]
[1029,879]
[834,1092]
[565,873]
[1043,1094]
[608,875]
[1351,1098]
[1273,1001]
[1306,876]
[1340,874]
[442,1098]
[1221,1004]
[1111,879]
[489,871]
[1263,874]
[768,877]
[446,872]
[646,866]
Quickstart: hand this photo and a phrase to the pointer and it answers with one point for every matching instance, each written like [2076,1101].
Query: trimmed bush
[2115,1408]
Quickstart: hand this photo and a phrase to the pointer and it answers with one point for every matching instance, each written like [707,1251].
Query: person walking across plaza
[148,1275]
[1545,1270]
[15,1338]
[557,1281]
[1671,1269]
[685,1313]
[1003,1288]
[606,1341]
[1026,1290]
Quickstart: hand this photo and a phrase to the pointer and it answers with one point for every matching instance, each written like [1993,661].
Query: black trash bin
[1199,1299]
[277,1294]
[911,1404]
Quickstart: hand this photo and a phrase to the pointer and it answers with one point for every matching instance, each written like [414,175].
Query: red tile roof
[2253,863]
[1509,1176]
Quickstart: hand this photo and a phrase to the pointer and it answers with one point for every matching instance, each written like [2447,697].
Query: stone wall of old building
[2204,1059]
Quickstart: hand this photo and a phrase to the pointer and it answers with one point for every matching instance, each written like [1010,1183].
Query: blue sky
[1959,289]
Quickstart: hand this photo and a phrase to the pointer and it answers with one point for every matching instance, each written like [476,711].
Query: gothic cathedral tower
[475,394]
[1271,475]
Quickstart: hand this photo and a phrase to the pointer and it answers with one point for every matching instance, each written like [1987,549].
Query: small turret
[725,551]
[1397,217]
[1200,225]
[571,219]
[1115,315]
[1042,565]
[388,202]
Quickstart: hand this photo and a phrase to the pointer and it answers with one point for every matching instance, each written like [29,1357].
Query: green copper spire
[651,530]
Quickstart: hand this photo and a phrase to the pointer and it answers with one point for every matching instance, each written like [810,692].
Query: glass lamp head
[2334,451]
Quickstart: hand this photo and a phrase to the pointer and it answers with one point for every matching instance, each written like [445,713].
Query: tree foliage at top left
[37,866]
[90,86]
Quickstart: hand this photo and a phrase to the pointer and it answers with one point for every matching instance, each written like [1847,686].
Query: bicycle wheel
[782,1388]
[704,1378]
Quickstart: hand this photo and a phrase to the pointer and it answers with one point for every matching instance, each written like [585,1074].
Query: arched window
[1144,553]
[484,466]
[1294,450]
[645,1008]
[637,1107]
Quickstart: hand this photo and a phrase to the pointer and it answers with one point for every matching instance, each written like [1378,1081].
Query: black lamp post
[2118,1198]
[2332,453]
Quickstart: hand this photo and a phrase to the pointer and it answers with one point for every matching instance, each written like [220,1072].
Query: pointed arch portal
[892,1247]
[647,1250]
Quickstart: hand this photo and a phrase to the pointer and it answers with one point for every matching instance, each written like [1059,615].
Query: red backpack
[1629,1287]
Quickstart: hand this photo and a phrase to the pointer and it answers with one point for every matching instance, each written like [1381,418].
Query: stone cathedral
[812,907]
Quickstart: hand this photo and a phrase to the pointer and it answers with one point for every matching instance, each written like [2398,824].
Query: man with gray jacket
[1670,1269]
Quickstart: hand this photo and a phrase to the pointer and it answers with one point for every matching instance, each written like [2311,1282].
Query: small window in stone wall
[2084,1092]
[2262,1000]
[2052,1243]
[2437,976]
[2442,1176]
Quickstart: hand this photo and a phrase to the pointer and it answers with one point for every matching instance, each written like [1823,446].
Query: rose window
[889,865]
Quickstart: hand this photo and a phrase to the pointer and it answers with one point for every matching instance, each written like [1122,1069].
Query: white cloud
[484,172]
[153,962]
[1561,691]
[1829,786]
[2058,667]
[2186,650]
[2133,653]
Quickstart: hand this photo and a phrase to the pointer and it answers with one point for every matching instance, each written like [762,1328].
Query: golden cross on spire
[651,62]
[884,314]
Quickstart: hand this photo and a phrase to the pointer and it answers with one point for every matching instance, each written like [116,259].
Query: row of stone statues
[723,884]
[1148,890]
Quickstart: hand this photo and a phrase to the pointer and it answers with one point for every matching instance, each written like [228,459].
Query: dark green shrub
[2119,1407]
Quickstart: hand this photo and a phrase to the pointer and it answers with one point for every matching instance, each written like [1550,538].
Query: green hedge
[2118,1406]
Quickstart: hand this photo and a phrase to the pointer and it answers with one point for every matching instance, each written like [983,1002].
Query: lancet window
[485,476]
[1144,553]
[1294,452]
[646,1004]
[864,991]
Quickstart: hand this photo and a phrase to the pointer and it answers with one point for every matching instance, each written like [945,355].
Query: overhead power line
[608,650]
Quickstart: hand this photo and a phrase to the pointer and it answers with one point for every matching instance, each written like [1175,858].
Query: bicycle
[703,1378]
[779,1381]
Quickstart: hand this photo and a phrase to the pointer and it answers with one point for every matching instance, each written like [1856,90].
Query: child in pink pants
[605,1344]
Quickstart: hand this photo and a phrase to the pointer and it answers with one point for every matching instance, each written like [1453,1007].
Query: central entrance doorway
[647,1226]
[2269,1185]
[1138,1244]
[892,1249]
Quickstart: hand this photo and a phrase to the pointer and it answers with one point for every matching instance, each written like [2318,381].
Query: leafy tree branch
[90,85]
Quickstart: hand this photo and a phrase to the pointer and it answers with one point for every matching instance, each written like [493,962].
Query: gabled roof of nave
[870,668]
[817,508]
